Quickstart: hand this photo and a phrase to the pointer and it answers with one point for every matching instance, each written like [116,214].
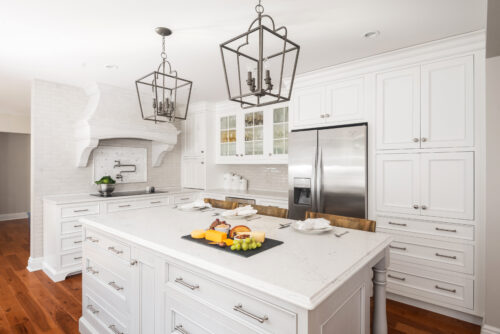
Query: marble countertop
[80,198]
[303,271]
[275,195]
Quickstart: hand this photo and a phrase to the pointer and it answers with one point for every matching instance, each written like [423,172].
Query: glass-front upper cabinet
[280,130]
[228,135]
[254,133]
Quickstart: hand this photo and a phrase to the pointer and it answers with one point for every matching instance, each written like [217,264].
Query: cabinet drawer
[71,259]
[453,290]
[152,202]
[108,244]
[113,281]
[437,254]
[246,308]
[99,315]
[427,227]
[80,210]
[122,206]
[71,226]
[184,198]
[69,243]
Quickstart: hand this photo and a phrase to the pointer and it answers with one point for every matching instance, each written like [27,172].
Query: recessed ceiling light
[372,34]
[111,66]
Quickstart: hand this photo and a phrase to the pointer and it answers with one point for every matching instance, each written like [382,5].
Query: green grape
[254,245]
[238,247]
[259,245]
[245,246]
[233,247]
[247,241]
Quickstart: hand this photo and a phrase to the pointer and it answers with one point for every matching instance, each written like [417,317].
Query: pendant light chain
[259,8]
[163,52]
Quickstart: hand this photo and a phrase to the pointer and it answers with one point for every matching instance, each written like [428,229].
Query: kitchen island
[139,276]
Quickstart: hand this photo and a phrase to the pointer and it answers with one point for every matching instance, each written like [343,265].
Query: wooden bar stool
[272,211]
[227,205]
[347,222]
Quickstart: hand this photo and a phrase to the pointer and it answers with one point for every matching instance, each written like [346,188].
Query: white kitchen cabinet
[330,104]
[398,183]
[194,140]
[448,103]
[427,106]
[447,185]
[252,136]
[427,184]
[193,172]
[308,106]
[398,109]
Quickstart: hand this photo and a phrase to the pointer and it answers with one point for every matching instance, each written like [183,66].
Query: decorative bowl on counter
[105,189]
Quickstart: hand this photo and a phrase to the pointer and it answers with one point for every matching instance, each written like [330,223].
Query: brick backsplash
[55,109]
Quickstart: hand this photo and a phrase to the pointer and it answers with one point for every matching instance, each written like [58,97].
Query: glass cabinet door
[228,135]
[254,133]
[280,130]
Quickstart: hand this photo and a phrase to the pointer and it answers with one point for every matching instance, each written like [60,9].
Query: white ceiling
[72,41]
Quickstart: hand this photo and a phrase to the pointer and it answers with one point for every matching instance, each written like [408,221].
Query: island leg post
[379,296]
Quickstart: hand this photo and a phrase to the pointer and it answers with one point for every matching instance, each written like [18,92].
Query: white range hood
[114,112]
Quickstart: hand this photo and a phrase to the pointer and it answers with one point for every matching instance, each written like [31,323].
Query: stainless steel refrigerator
[327,171]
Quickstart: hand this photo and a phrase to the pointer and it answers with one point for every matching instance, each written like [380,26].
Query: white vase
[243,184]
[235,182]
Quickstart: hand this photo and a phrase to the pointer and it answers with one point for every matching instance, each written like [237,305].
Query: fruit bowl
[105,189]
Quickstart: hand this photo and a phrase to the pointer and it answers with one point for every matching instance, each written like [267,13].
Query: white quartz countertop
[79,198]
[276,195]
[303,271]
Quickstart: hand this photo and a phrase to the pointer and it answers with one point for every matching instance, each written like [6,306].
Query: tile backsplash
[261,177]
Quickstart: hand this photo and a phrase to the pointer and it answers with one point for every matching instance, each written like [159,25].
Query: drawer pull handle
[415,206]
[133,262]
[77,258]
[398,248]
[180,329]
[185,199]
[239,308]
[92,239]
[445,289]
[92,309]
[397,224]
[114,250]
[396,277]
[82,210]
[181,282]
[115,286]
[156,202]
[124,206]
[445,230]
[416,140]
[79,225]
[77,241]
[92,271]
[113,328]
[447,256]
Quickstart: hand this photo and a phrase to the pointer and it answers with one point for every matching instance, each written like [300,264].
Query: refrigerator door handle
[314,205]
[319,180]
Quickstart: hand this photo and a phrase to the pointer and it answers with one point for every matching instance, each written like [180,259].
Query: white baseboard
[487,329]
[35,264]
[12,216]
[477,320]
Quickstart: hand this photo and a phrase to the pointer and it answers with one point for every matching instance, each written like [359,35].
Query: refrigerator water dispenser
[302,191]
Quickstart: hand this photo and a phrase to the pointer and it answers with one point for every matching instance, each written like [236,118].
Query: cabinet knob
[322,116]
[202,162]
[424,139]
[241,155]
[236,155]
[202,151]
[415,206]
[416,140]
[424,207]
[327,115]
[270,154]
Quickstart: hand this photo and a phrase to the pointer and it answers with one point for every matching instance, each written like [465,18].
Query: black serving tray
[268,244]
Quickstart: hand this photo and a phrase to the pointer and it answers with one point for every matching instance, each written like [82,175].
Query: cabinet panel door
[398,183]
[398,109]
[448,103]
[344,101]
[308,106]
[447,188]
[193,173]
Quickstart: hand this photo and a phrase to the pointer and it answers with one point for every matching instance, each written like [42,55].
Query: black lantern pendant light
[256,62]
[163,95]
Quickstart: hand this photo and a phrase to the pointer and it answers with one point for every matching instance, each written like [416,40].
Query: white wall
[14,173]
[492,261]
[54,110]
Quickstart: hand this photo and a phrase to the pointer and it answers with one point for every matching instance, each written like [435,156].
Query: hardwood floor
[32,303]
